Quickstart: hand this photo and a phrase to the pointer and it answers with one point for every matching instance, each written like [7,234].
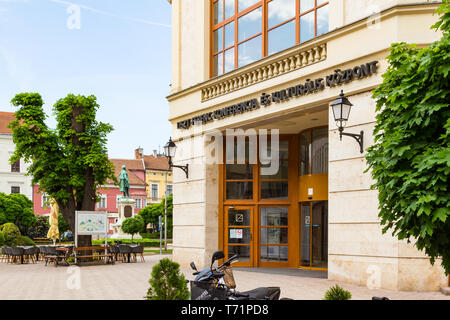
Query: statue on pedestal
[124,182]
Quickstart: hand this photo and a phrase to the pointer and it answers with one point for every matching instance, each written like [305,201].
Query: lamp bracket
[184,168]
[358,137]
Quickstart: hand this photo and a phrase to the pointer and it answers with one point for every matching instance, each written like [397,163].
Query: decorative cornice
[268,70]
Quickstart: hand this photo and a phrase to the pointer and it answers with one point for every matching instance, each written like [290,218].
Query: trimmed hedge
[2,239]
[25,241]
[144,242]
[11,233]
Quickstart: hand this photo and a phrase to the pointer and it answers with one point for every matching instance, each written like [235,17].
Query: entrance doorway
[239,234]
[314,235]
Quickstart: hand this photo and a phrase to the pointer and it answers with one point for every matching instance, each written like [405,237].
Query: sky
[119,51]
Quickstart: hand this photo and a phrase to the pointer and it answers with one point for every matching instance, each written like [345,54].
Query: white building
[12,177]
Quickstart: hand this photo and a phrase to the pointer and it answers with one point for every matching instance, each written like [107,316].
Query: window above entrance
[244,31]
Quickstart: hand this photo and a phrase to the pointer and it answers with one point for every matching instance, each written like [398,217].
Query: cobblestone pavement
[130,281]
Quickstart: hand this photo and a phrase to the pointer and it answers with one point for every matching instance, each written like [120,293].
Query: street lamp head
[170,148]
[341,110]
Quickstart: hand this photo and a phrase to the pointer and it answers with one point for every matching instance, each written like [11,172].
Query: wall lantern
[169,150]
[341,111]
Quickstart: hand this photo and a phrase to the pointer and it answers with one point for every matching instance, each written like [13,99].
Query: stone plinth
[126,208]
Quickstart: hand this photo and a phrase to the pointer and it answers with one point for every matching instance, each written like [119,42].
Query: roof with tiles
[5,119]
[156,163]
[132,165]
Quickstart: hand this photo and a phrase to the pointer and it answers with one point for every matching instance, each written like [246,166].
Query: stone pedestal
[126,208]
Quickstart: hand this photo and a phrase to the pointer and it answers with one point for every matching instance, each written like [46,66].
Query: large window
[314,151]
[244,31]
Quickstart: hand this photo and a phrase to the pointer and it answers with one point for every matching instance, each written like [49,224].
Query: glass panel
[239,190]
[229,8]
[244,4]
[217,12]
[307,27]
[241,149]
[229,35]
[229,60]
[218,40]
[319,151]
[282,173]
[305,234]
[250,24]
[274,216]
[274,190]
[239,171]
[279,11]
[239,235]
[322,20]
[218,64]
[281,38]
[320,234]
[306,5]
[249,51]
[274,235]
[283,150]
[274,253]
[242,251]
[319,2]
[238,217]
[305,138]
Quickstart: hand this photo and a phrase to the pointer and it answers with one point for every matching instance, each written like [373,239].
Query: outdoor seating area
[68,254]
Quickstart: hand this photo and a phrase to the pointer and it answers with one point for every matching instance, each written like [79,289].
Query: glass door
[314,234]
[239,238]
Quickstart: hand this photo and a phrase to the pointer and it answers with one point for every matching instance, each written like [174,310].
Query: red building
[109,193]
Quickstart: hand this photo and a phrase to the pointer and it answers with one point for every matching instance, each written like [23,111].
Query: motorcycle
[217,283]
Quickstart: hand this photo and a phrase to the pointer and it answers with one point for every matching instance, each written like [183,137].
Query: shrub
[11,233]
[167,283]
[2,239]
[337,293]
[25,241]
[39,228]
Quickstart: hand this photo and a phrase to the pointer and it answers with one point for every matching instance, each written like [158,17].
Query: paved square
[125,281]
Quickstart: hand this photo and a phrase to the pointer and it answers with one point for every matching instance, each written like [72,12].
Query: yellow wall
[157,177]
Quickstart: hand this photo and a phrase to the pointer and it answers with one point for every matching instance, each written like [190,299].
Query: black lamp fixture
[341,111]
[169,149]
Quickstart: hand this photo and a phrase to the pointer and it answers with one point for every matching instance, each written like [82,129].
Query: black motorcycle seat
[263,293]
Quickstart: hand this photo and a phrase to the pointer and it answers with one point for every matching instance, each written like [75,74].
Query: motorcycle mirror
[193,266]
[217,256]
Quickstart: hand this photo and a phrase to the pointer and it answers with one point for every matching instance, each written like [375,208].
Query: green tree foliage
[68,162]
[17,209]
[167,283]
[62,224]
[337,293]
[2,239]
[39,228]
[11,234]
[152,212]
[133,225]
[410,160]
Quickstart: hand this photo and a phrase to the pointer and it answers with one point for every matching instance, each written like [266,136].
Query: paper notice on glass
[232,233]
[238,233]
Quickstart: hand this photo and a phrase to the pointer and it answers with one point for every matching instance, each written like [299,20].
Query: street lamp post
[341,111]
[169,149]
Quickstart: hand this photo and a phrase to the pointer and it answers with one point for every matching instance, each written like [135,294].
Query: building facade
[262,71]
[12,176]
[158,176]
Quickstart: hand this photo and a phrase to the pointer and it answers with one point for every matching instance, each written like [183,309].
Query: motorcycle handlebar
[228,262]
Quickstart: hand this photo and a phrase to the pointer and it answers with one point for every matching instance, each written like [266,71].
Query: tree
[167,283]
[133,225]
[39,228]
[410,159]
[68,162]
[62,224]
[17,209]
[152,212]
